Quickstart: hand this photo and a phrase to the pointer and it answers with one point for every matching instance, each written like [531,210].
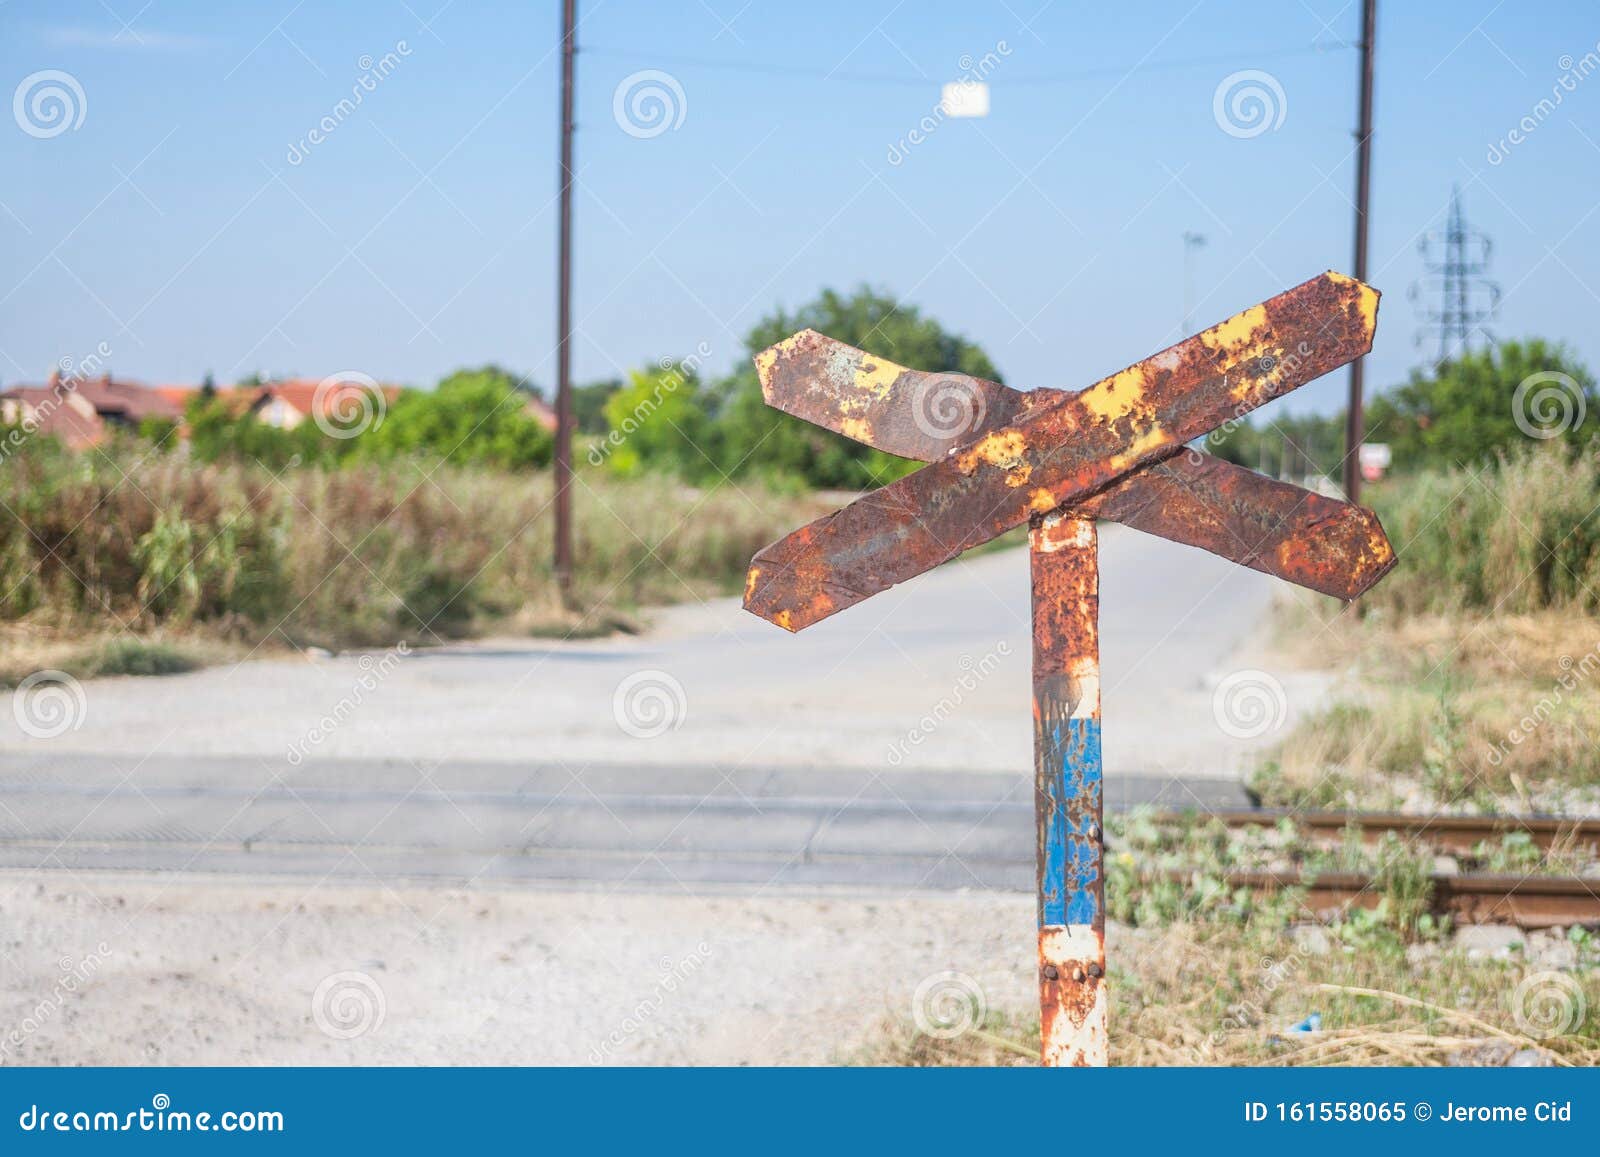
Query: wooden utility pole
[563,455]
[1354,422]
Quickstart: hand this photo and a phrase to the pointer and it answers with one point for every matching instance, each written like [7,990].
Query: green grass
[1202,976]
[131,656]
[1520,536]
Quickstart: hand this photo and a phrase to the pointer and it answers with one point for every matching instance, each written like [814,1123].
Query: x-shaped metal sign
[1060,460]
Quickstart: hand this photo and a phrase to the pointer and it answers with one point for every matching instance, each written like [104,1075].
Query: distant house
[540,411]
[84,412]
[179,396]
[286,404]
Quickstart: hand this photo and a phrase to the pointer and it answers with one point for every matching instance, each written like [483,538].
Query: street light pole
[1354,422]
[563,452]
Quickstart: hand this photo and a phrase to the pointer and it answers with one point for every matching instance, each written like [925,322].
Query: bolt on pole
[1063,550]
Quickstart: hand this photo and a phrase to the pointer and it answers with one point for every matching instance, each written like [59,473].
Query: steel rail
[1448,832]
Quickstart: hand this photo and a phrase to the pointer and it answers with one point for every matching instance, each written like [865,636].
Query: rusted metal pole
[563,450]
[1064,553]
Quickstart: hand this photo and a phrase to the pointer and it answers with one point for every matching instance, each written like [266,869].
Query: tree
[1484,403]
[589,405]
[755,438]
[473,417]
[217,430]
[658,422]
[1288,446]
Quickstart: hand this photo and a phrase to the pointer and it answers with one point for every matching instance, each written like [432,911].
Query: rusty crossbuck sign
[1060,460]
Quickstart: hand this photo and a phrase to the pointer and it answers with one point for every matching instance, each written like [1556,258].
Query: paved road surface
[889,746]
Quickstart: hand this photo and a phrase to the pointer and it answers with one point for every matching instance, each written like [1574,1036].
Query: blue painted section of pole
[1070,891]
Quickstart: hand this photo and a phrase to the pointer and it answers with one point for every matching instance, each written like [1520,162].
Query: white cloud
[131,39]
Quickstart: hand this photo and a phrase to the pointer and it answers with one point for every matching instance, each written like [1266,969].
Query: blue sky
[176,224]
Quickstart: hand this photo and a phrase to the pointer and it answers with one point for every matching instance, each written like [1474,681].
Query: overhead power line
[995,80]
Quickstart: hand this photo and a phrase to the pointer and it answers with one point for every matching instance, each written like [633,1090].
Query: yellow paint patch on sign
[1003,448]
[1237,332]
[857,428]
[876,375]
[765,360]
[1121,395]
[1366,299]
[1155,438]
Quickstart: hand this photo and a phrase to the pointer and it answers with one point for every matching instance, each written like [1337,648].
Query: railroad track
[1448,833]
[1526,901]
[1470,898]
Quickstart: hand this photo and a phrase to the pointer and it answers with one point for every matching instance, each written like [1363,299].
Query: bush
[658,422]
[1468,412]
[473,417]
[364,553]
[1520,534]
[218,433]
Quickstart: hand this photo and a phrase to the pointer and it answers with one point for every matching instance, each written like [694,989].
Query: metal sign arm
[1059,454]
[1332,547]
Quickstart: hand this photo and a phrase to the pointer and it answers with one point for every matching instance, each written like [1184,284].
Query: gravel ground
[139,970]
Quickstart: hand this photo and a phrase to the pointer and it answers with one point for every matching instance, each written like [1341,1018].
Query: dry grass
[1218,994]
[129,544]
[1452,710]
[1519,536]
[86,653]
[1201,975]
